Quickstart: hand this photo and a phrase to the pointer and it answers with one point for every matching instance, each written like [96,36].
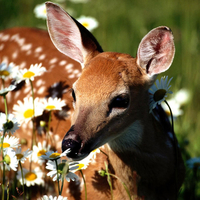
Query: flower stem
[3,185]
[8,191]
[22,179]
[125,187]
[171,115]
[109,181]
[84,183]
[58,177]
[48,127]
[175,147]
[62,185]
[31,83]
[33,119]
[6,108]
[33,142]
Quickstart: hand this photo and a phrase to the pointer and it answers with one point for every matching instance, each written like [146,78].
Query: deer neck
[130,156]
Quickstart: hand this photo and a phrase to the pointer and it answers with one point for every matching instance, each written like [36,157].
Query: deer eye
[73,95]
[120,102]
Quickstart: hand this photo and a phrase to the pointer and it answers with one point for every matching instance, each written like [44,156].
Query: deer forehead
[105,74]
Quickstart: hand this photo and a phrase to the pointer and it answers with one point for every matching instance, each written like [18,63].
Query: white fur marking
[71,76]
[77,75]
[41,90]
[21,41]
[42,57]
[14,55]
[23,64]
[70,70]
[17,94]
[28,52]
[1,46]
[39,82]
[38,49]
[53,60]
[63,62]
[76,71]
[27,89]
[69,66]
[26,47]
[5,37]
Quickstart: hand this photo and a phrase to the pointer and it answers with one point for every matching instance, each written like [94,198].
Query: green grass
[122,24]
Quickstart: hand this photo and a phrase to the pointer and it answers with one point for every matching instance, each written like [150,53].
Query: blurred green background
[122,24]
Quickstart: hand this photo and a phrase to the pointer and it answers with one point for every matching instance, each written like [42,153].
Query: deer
[110,109]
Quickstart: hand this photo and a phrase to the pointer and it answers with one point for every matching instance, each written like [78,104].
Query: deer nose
[73,142]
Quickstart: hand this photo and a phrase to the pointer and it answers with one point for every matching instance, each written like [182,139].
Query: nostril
[73,145]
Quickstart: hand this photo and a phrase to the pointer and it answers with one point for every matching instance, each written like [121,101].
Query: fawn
[110,109]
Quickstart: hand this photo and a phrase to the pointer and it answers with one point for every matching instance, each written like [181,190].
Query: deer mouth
[78,148]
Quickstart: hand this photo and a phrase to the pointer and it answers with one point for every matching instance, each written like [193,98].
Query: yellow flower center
[5,145]
[30,176]
[54,155]
[41,152]
[4,73]
[19,156]
[159,95]
[45,11]
[28,74]
[50,107]
[28,113]
[80,166]
[85,24]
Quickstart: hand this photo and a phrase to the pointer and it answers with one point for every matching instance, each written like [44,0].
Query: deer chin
[77,157]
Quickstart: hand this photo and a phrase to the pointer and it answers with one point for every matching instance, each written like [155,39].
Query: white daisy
[29,74]
[53,103]
[21,156]
[51,155]
[89,159]
[34,177]
[10,159]
[10,142]
[10,125]
[45,197]
[158,92]
[24,110]
[88,22]
[63,169]
[182,96]
[4,91]
[39,150]
[175,107]
[40,11]
[6,70]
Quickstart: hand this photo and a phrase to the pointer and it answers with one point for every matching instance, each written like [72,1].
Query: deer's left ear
[156,51]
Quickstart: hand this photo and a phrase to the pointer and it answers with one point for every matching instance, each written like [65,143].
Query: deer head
[111,95]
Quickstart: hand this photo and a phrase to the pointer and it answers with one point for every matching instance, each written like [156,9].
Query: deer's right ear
[69,36]
[156,51]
